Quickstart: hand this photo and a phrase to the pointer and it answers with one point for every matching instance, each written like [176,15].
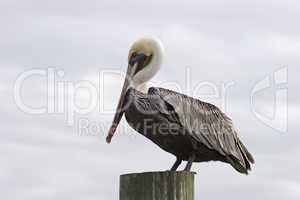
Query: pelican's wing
[208,125]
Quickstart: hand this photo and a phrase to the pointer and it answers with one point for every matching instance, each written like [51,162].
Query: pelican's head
[144,60]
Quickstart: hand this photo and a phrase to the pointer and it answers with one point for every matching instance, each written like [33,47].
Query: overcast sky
[240,43]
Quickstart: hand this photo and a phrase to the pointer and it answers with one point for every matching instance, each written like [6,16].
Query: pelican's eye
[140,59]
[136,58]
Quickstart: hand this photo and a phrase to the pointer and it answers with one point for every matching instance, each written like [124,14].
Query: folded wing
[208,125]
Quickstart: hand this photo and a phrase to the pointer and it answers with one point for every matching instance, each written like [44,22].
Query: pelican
[190,129]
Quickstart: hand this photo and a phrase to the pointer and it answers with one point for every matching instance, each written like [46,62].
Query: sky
[243,56]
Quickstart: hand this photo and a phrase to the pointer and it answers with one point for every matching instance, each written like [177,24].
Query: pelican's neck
[142,88]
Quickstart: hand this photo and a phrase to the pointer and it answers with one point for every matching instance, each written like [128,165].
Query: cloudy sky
[250,46]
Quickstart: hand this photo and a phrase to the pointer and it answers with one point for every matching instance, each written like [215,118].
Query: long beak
[120,111]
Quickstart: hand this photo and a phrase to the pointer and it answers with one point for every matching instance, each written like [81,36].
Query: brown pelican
[190,129]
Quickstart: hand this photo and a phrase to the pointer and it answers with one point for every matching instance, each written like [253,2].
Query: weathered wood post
[157,186]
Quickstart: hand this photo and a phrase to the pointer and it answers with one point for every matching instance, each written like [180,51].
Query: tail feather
[237,165]
[246,152]
[242,166]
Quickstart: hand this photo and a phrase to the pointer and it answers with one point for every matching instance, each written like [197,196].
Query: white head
[145,57]
[144,60]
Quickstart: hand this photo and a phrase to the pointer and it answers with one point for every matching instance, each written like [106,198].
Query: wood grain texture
[157,186]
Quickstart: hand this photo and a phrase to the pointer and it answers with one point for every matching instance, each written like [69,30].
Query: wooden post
[157,186]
